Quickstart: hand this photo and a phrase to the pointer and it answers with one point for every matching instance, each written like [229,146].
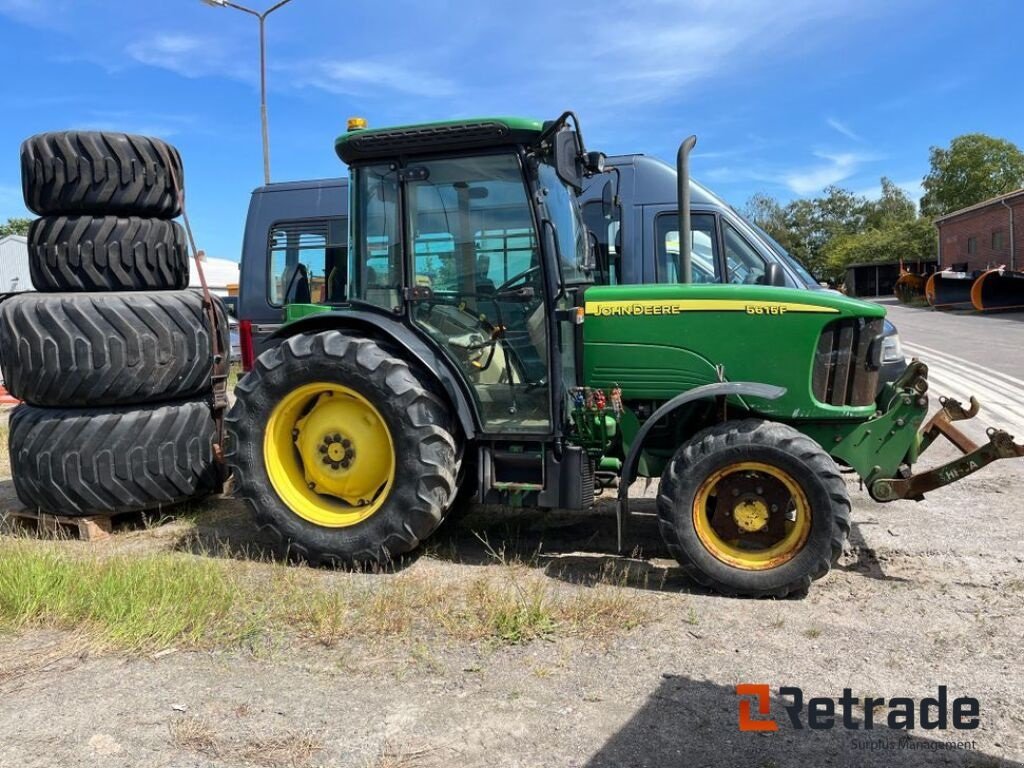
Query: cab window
[307,262]
[703,248]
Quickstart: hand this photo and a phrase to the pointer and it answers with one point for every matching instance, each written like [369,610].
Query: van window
[744,263]
[703,250]
[307,261]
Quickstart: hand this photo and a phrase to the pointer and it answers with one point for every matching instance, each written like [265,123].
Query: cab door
[477,283]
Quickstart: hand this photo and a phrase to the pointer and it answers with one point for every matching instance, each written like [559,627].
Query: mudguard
[383,326]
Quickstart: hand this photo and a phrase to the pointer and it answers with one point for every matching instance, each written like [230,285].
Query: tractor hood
[654,341]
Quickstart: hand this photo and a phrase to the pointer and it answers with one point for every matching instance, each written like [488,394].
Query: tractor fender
[721,389]
[383,327]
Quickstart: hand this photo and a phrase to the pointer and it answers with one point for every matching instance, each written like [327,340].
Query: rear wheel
[342,449]
[754,508]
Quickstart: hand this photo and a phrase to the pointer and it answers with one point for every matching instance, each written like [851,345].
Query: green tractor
[466,353]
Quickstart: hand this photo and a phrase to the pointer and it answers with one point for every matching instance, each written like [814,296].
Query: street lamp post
[262,17]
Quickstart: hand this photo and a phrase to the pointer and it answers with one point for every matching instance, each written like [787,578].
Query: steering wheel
[516,278]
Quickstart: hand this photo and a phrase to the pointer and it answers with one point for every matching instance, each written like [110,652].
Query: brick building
[988,234]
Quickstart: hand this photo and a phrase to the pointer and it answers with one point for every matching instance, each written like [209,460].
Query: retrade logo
[824,712]
[761,694]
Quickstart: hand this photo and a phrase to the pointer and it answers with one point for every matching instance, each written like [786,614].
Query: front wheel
[341,449]
[753,508]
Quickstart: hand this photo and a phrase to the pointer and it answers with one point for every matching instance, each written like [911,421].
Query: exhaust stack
[683,196]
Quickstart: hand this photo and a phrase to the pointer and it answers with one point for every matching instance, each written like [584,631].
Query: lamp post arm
[242,8]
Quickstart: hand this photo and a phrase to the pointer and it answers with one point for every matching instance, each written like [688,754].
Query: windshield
[800,269]
[564,211]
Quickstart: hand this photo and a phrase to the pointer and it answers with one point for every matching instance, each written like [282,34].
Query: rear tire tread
[415,510]
[90,349]
[105,173]
[107,253]
[86,461]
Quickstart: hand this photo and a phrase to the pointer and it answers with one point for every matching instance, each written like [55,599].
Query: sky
[785,96]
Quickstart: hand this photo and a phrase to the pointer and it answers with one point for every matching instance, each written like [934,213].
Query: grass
[234,374]
[289,748]
[144,602]
[5,458]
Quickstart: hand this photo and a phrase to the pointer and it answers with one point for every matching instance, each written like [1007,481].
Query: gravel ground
[931,594]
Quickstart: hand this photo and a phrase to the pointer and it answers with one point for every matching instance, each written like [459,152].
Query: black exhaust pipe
[683,195]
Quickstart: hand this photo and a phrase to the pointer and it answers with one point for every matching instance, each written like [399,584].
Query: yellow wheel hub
[751,515]
[329,454]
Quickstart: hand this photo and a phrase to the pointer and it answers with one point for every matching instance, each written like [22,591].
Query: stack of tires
[112,355]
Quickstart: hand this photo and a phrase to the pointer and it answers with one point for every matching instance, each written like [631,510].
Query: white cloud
[834,169]
[189,56]
[841,128]
[654,51]
[357,78]
[41,13]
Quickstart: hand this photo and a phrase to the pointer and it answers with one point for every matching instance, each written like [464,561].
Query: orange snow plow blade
[949,290]
[998,289]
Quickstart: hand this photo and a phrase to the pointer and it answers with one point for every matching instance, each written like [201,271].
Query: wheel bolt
[336,438]
[345,463]
[349,453]
[323,449]
[346,443]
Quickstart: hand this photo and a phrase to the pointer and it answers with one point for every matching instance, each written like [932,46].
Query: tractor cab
[470,233]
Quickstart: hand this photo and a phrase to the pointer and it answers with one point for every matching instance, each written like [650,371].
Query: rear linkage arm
[1000,445]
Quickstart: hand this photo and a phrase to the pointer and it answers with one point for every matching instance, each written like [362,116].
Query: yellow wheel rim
[329,455]
[752,516]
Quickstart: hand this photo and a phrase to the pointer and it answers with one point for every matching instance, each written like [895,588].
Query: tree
[830,232]
[975,167]
[894,205]
[15,226]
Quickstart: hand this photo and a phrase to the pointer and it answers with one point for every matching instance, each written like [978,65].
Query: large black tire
[420,424]
[91,349]
[93,172]
[774,444]
[94,460]
[85,253]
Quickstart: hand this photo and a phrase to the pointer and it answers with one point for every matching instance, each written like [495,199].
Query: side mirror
[773,275]
[568,163]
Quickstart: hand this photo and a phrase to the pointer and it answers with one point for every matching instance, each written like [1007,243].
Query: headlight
[892,350]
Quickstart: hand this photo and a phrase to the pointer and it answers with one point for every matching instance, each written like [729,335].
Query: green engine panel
[656,341]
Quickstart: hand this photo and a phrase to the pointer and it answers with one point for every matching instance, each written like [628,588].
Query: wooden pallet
[93,528]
